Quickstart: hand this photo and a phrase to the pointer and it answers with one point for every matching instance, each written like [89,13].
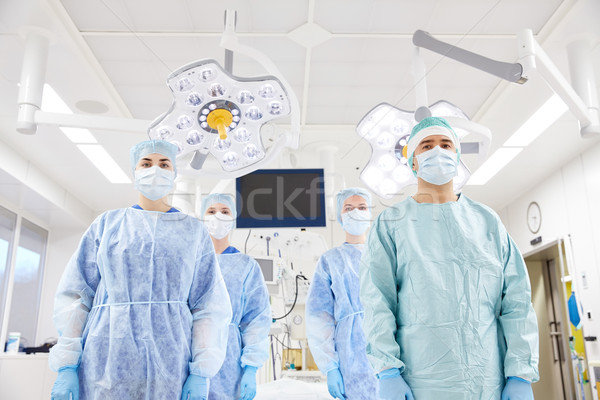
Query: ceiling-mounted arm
[507,71]
[230,25]
[534,58]
[582,99]
[230,42]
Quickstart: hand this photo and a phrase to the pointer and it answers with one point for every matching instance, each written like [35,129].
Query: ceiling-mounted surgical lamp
[217,113]
[213,112]
[388,128]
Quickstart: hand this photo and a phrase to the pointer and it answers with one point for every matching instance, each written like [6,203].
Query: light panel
[539,121]
[78,135]
[492,165]
[104,162]
[52,102]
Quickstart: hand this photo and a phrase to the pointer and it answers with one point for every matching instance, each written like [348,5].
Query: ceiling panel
[120,52]
[266,16]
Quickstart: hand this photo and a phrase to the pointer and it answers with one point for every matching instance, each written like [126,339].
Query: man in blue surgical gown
[334,313]
[447,298]
[141,309]
[248,344]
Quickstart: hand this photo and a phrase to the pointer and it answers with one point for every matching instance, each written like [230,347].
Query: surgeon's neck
[220,244]
[434,194]
[356,239]
[153,205]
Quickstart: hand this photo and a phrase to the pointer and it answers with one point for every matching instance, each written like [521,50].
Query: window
[8,221]
[20,275]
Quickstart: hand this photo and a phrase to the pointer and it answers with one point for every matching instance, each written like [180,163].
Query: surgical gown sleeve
[517,317]
[74,298]
[379,295]
[320,319]
[256,319]
[211,312]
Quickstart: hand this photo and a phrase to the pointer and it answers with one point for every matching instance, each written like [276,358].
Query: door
[546,272]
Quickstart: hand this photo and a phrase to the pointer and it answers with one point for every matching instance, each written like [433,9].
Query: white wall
[569,200]
[61,245]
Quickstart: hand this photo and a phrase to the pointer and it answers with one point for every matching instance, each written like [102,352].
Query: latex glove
[248,383]
[335,384]
[517,389]
[66,385]
[195,388]
[392,386]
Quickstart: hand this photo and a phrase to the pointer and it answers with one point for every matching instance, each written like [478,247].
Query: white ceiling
[341,57]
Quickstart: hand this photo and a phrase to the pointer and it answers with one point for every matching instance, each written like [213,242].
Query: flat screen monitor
[269,198]
[267,268]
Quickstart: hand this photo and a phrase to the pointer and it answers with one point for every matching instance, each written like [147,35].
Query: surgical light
[387,129]
[215,113]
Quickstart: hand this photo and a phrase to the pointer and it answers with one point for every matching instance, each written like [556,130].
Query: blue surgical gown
[447,300]
[140,305]
[334,317]
[248,342]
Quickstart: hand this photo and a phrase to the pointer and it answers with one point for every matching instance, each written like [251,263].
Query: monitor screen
[266,267]
[281,198]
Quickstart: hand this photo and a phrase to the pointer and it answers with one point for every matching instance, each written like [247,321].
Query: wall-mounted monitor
[269,198]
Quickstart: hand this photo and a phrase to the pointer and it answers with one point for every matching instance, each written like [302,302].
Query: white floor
[292,389]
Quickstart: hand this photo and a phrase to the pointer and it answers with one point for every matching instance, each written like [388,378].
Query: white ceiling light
[52,102]
[78,135]
[104,162]
[545,116]
[492,165]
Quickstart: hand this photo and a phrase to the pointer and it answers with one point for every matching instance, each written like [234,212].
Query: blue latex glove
[195,388]
[392,386]
[335,384]
[517,389]
[66,385]
[248,383]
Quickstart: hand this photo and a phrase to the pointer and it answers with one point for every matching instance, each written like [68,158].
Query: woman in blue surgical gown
[248,344]
[141,309]
[334,313]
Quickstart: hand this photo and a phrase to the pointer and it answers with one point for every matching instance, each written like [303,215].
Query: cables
[299,276]
[246,242]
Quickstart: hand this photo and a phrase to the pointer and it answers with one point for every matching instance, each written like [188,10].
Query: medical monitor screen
[281,198]
[266,267]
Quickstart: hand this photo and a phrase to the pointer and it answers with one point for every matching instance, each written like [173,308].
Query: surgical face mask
[437,166]
[356,222]
[218,225]
[154,182]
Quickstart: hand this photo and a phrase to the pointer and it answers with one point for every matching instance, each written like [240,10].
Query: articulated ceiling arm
[507,71]
[582,99]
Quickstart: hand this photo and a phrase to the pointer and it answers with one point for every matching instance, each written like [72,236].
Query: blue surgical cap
[146,147]
[349,192]
[428,127]
[222,198]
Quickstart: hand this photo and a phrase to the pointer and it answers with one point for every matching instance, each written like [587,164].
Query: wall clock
[534,217]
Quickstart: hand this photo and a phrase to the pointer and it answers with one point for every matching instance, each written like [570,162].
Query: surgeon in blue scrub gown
[141,309]
[447,298]
[334,313]
[248,344]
